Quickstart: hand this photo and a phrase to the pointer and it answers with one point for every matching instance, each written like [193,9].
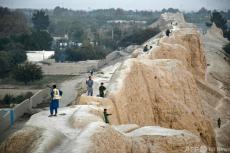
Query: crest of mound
[159,92]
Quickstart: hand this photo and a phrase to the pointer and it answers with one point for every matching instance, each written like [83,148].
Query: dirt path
[70,88]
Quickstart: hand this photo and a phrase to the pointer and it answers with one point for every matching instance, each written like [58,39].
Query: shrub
[27,72]
[139,37]
[226,48]
[10,99]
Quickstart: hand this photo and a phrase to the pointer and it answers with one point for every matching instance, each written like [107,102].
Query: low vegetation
[138,37]
[226,48]
[86,52]
[16,37]
[205,18]
[27,72]
[9,100]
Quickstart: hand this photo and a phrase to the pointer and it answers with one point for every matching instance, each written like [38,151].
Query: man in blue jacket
[89,84]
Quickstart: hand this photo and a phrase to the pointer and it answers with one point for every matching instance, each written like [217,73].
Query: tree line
[16,38]
[20,32]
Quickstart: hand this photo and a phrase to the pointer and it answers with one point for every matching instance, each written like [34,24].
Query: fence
[9,115]
[39,97]
[6,119]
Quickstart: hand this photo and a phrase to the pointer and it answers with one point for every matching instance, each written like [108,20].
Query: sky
[184,5]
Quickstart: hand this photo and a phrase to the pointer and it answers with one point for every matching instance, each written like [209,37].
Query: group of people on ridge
[89,84]
[146,48]
[56,95]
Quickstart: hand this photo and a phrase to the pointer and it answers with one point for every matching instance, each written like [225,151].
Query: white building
[37,56]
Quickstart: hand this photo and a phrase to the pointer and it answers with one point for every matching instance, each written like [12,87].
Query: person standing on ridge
[145,48]
[219,122]
[91,72]
[106,116]
[89,84]
[102,88]
[167,32]
[54,104]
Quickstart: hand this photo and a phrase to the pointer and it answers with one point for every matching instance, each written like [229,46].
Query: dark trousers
[102,94]
[52,110]
[54,106]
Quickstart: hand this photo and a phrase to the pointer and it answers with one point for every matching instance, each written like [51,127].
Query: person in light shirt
[56,95]
[89,84]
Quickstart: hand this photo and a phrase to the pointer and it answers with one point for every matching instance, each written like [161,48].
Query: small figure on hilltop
[89,84]
[145,48]
[219,122]
[56,95]
[167,32]
[91,72]
[106,116]
[102,88]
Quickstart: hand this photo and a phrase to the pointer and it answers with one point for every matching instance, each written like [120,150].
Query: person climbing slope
[145,48]
[219,122]
[89,84]
[167,32]
[106,116]
[91,72]
[56,95]
[101,90]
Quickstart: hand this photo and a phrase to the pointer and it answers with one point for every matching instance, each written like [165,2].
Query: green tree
[59,27]
[40,20]
[27,72]
[218,19]
[37,40]
[12,23]
[227,34]
[227,48]
[8,99]
[76,31]
[221,22]
[9,59]
[41,40]
[17,57]
[86,52]
[138,37]
[5,65]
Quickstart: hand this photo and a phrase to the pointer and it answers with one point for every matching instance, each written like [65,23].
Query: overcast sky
[186,5]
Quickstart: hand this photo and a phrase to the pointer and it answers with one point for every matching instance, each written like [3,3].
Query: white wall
[36,56]
[23,107]
[4,121]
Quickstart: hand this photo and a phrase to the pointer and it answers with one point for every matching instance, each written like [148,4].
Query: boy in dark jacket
[101,90]
[106,116]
